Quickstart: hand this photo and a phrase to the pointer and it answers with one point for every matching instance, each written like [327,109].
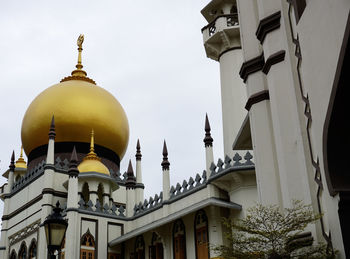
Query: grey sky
[148,54]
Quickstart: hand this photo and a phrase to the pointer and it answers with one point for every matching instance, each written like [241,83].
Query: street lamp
[55,230]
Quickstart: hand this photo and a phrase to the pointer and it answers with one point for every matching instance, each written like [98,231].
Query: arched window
[18,177]
[87,246]
[201,236]
[86,192]
[100,191]
[13,255]
[179,240]
[156,248]
[23,252]
[139,248]
[32,249]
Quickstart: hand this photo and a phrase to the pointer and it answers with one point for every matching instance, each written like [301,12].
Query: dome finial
[79,66]
[20,161]
[92,144]
[92,155]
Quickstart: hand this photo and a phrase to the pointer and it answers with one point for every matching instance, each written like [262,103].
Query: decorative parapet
[199,182]
[61,165]
[112,211]
[29,177]
[186,188]
[234,163]
[149,205]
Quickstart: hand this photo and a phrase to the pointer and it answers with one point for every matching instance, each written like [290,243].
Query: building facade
[282,72]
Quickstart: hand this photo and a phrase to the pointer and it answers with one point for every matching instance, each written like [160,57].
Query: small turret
[208,143]
[166,173]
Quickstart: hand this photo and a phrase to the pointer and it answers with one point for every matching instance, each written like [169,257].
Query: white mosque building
[283,78]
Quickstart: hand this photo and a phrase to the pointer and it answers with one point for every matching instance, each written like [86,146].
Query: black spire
[52,132]
[130,177]
[208,140]
[165,164]
[73,163]
[138,151]
[12,163]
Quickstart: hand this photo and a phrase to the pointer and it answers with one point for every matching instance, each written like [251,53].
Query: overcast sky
[148,54]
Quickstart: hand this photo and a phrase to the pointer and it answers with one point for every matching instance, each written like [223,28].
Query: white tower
[222,43]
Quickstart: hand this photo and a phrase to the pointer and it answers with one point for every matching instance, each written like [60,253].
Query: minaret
[166,173]
[222,43]
[4,238]
[130,191]
[47,197]
[208,144]
[72,204]
[139,188]
[11,172]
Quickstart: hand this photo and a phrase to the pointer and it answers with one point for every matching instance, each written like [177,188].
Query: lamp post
[55,230]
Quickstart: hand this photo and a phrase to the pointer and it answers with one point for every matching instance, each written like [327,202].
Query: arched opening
[100,191]
[87,246]
[32,249]
[201,235]
[13,255]
[86,192]
[22,254]
[336,139]
[18,177]
[139,248]
[179,240]
[156,248]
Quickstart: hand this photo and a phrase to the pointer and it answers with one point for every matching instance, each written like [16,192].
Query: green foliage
[268,232]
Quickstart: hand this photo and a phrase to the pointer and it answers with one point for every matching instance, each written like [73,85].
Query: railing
[231,20]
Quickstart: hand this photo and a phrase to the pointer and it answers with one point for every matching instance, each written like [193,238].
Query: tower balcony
[221,34]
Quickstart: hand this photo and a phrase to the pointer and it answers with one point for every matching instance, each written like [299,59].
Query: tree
[268,232]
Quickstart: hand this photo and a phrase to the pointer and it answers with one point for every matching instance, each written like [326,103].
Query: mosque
[283,102]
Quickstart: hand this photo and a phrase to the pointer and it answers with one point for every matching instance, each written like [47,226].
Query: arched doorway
[156,250]
[201,235]
[179,240]
[87,246]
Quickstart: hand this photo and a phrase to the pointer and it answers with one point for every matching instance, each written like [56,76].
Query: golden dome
[92,163]
[21,163]
[77,105]
[93,166]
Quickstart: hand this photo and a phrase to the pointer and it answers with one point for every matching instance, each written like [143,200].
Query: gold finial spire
[92,155]
[79,73]
[79,66]
[92,144]
[21,163]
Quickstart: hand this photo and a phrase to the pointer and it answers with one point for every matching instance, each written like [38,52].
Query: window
[156,247]
[139,248]
[22,252]
[13,255]
[32,250]
[100,194]
[179,240]
[86,193]
[87,246]
[201,236]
